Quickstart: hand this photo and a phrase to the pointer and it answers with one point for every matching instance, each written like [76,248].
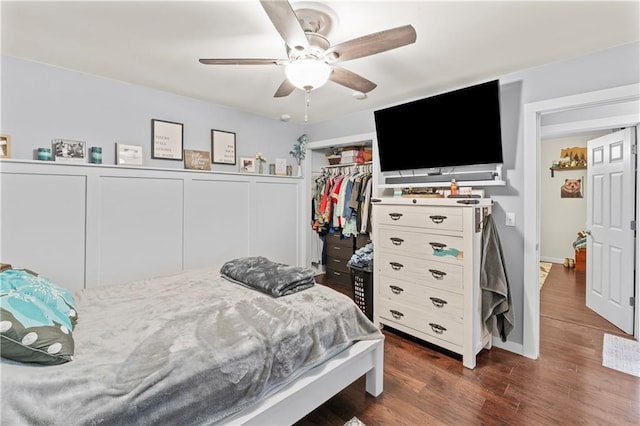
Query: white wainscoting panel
[42,225]
[85,225]
[140,227]
[275,229]
[216,221]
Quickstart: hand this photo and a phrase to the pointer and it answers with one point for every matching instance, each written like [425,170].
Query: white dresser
[427,268]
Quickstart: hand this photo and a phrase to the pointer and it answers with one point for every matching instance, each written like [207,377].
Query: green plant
[299,150]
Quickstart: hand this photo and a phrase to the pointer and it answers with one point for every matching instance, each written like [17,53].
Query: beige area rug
[621,354]
[545,267]
[354,422]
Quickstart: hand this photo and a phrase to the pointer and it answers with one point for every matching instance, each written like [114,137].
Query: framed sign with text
[223,147]
[197,160]
[166,140]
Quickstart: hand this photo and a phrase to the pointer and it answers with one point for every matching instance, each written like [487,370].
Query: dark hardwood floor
[566,385]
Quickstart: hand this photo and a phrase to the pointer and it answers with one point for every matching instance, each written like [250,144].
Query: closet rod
[331,166]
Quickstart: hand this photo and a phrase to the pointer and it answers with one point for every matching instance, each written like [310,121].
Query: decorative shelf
[553,169]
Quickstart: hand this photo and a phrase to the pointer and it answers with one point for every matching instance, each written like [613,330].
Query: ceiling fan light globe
[307,74]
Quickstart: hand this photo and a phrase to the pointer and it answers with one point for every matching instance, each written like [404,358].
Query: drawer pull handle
[336,273]
[395,216]
[337,260]
[396,266]
[438,275]
[337,248]
[437,246]
[437,219]
[396,241]
[438,303]
[396,314]
[437,328]
[396,289]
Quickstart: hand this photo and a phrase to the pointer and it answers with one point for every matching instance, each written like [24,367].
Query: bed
[195,348]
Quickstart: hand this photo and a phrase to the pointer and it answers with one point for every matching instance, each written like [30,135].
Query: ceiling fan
[311,59]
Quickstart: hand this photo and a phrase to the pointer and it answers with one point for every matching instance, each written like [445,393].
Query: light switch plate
[511,219]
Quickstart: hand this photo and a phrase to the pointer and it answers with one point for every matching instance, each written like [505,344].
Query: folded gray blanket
[272,278]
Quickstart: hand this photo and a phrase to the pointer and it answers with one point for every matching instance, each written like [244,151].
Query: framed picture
[247,164]
[128,154]
[281,167]
[223,147]
[5,146]
[571,188]
[197,160]
[67,151]
[166,140]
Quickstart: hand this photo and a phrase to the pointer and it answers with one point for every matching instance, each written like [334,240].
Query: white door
[610,217]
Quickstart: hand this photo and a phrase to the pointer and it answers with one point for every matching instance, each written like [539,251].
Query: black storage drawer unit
[338,250]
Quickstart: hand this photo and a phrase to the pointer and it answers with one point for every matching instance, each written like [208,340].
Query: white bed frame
[312,389]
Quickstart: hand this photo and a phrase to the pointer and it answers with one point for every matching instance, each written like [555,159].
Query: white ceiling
[158,44]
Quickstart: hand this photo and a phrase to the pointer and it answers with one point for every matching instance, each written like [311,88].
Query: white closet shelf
[366,163]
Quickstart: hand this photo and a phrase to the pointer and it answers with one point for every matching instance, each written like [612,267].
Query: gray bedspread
[273,278]
[187,349]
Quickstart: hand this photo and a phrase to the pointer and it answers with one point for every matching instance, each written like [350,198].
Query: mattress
[191,348]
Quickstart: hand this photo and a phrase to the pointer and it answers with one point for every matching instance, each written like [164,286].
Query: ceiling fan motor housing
[317,45]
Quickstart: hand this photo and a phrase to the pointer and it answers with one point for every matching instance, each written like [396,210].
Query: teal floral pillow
[37,319]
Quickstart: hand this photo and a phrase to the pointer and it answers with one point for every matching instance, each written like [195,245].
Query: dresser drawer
[338,248]
[436,274]
[430,217]
[338,252]
[443,248]
[337,264]
[335,239]
[426,322]
[433,300]
[338,276]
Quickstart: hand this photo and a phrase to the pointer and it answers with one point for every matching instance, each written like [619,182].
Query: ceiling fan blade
[371,44]
[243,61]
[285,89]
[351,80]
[286,22]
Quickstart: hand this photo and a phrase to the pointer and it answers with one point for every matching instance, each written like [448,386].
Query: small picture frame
[197,160]
[68,151]
[167,141]
[247,164]
[281,167]
[223,147]
[129,155]
[5,146]
[571,188]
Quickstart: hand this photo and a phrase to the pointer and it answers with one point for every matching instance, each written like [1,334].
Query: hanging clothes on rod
[341,195]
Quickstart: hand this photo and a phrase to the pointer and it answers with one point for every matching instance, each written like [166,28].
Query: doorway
[564,226]
[533,115]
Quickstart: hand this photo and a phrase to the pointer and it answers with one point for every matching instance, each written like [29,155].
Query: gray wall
[610,68]
[41,103]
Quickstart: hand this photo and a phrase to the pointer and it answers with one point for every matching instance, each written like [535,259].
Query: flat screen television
[457,128]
